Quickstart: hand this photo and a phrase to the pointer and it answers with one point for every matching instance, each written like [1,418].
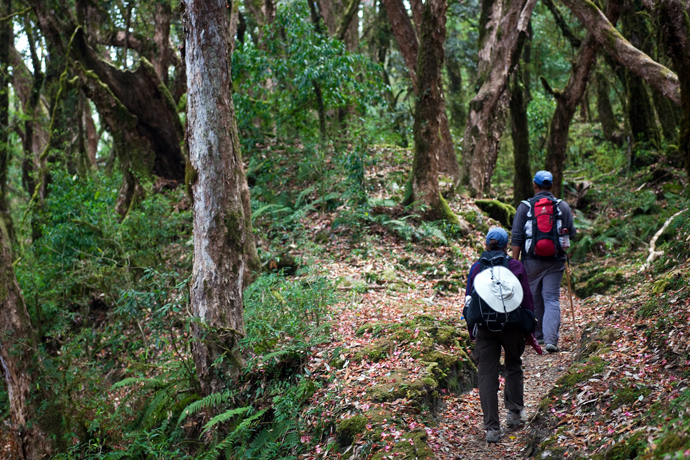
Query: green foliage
[274,85]
[84,237]
[291,314]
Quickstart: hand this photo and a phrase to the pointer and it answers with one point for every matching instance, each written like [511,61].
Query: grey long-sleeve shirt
[518,232]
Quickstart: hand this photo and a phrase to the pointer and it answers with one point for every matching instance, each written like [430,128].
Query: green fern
[212,400]
[148,383]
[225,416]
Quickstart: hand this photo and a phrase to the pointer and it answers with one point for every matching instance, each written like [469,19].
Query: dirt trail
[460,434]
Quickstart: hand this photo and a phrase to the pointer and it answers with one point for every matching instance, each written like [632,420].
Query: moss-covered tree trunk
[640,111]
[424,187]
[606,117]
[222,222]
[456,100]
[503,25]
[408,44]
[673,17]
[5,39]
[617,46]
[666,113]
[20,370]
[522,179]
[568,100]
[141,91]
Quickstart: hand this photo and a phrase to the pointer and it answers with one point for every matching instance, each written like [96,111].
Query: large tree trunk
[640,110]
[406,38]
[502,24]
[5,40]
[568,100]
[141,91]
[456,102]
[522,179]
[429,107]
[615,44]
[222,224]
[675,29]
[566,105]
[20,368]
[607,118]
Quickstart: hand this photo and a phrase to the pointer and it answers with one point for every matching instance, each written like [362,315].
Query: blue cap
[498,234]
[543,178]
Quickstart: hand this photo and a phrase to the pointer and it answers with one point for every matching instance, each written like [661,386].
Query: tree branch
[617,46]
[347,19]
[565,30]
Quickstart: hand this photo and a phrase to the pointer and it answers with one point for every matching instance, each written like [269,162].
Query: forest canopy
[221,220]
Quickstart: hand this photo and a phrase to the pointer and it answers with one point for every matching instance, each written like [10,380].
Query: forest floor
[455,429]
[611,388]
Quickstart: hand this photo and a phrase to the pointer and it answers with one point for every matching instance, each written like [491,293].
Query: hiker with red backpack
[542,228]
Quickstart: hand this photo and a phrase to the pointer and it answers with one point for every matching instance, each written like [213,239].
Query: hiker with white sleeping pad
[542,228]
[499,314]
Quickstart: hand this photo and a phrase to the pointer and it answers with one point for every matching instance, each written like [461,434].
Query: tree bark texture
[456,102]
[141,91]
[19,366]
[502,24]
[675,30]
[409,47]
[665,111]
[568,100]
[222,223]
[5,39]
[607,118]
[633,59]
[429,109]
[522,178]
[640,110]
[405,36]
[566,106]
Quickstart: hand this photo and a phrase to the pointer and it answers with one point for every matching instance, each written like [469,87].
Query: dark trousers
[488,353]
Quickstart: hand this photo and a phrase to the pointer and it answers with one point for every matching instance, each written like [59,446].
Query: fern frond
[151,383]
[225,416]
[212,400]
[119,455]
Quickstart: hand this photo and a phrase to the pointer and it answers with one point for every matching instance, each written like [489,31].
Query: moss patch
[411,446]
[349,428]
[502,212]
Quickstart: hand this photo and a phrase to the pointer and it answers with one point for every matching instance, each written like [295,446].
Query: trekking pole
[570,291]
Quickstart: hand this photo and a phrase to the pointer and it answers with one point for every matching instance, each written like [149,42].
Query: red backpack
[543,228]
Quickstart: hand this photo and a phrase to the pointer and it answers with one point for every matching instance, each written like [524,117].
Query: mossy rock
[550,450]
[631,447]
[502,212]
[455,372]
[578,373]
[454,286]
[598,342]
[670,443]
[627,396]
[377,351]
[411,446]
[476,220]
[349,428]
[598,281]
[422,391]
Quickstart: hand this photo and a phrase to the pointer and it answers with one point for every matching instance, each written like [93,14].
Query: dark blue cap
[498,234]
[543,178]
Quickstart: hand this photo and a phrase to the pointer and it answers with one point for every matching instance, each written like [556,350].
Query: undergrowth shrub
[157,411]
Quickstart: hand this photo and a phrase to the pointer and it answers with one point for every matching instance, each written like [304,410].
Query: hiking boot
[494,435]
[551,348]
[516,418]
